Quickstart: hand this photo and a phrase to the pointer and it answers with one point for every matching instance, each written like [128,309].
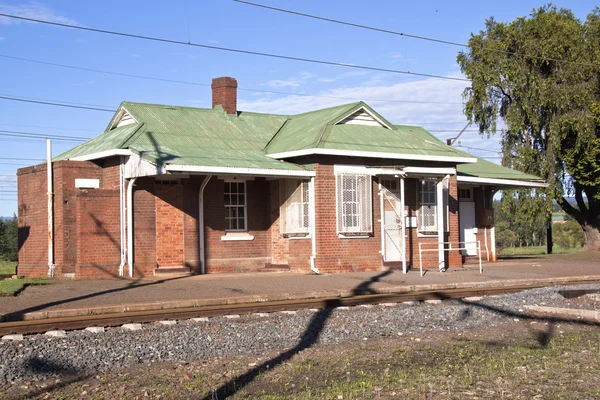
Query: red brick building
[176,189]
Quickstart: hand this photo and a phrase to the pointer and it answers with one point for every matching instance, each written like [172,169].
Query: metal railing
[449,248]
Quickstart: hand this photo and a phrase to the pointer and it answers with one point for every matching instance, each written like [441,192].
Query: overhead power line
[33,135]
[430,39]
[232,50]
[51,127]
[50,103]
[100,71]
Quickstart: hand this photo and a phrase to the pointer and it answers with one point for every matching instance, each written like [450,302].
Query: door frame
[401,196]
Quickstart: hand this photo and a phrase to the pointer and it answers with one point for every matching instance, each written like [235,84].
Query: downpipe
[313,227]
[130,226]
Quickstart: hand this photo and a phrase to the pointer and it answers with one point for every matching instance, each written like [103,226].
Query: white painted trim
[386,171]
[353,169]
[102,154]
[236,236]
[430,170]
[342,236]
[372,154]
[505,182]
[118,116]
[85,183]
[239,171]
[298,237]
[363,108]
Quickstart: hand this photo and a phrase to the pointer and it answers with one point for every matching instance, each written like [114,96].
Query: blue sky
[229,24]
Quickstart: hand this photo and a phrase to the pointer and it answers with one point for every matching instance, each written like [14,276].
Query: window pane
[241,224]
[241,199]
[241,212]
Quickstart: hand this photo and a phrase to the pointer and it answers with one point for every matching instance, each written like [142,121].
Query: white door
[393,243]
[468,229]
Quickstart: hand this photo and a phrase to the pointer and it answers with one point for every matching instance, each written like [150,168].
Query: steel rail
[115,319]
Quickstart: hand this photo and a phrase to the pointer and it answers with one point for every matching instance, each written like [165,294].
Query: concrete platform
[71,298]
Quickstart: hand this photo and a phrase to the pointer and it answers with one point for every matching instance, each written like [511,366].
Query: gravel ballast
[82,352]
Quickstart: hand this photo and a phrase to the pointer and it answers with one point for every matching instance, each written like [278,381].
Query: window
[295,211]
[353,195]
[427,206]
[235,206]
[465,195]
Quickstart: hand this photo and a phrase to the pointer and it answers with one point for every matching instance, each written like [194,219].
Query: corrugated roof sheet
[170,135]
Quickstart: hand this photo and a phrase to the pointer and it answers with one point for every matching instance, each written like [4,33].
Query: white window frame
[431,193]
[363,194]
[244,206]
[289,187]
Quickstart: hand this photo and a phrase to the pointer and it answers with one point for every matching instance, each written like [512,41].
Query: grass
[8,267]
[506,362]
[535,250]
[12,287]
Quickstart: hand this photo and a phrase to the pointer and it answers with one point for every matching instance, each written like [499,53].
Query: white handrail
[450,248]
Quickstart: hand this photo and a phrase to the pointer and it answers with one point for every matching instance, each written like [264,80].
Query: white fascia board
[430,170]
[366,170]
[372,154]
[239,171]
[103,154]
[501,182]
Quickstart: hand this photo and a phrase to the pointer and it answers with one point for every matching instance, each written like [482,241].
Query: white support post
[382,220]
[313,226]
[440,224]
[50,209]
[493,242]
[130,226]
[403,217]
[479,252]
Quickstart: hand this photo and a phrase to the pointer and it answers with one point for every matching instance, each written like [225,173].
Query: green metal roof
[170,135]
[482,168]
[486,169]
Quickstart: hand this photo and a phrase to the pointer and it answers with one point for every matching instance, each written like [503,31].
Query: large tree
[538,77]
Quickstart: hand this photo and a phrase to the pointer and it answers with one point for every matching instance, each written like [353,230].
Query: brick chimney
[224,93]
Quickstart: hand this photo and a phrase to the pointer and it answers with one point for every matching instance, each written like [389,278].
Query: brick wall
[169,225]
[144,227]
[191,188]
[237,256]
[336,254]
[483,231]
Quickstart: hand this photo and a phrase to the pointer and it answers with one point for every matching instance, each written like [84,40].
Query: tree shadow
[18,315]
[68,375]
[543,337]
[309,338]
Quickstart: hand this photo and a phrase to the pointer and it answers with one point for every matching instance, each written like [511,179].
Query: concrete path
[118,295]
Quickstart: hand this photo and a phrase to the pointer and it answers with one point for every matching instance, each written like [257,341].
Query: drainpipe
[201,223]
[130,226]
[50,209]
[122,218]
[313,227]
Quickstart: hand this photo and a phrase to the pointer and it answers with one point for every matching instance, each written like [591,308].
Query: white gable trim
[122,118]
[136,167]
[501,182]
[372,154]
[365,110]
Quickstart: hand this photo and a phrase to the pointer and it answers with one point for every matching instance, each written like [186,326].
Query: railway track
[81,322]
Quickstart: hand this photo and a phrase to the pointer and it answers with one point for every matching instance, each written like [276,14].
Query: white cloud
[33,10]
[134,55]
[295,81]
[2,38]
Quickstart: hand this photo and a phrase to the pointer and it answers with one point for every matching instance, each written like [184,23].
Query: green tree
[9,239]
[539,76]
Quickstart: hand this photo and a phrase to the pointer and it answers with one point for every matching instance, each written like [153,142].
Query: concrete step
[172,271]
[275,268]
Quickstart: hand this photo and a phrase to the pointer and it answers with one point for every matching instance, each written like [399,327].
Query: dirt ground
[528,360]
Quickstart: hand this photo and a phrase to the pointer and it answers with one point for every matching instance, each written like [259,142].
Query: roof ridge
[275,135]
[327,108]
